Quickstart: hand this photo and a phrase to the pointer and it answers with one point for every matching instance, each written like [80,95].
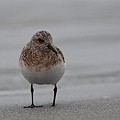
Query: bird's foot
[33,106]
[53,105]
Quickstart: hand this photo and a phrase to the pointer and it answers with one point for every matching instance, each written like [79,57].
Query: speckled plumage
[37,57]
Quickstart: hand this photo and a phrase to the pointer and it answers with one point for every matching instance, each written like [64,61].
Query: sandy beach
[95,109]
[96,102]
[88,33]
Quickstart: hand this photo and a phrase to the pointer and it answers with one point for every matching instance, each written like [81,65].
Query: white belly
[51,76]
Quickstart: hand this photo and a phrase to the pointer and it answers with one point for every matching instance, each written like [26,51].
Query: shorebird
[41,62]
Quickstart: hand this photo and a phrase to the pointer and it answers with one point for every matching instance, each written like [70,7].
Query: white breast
[51,76]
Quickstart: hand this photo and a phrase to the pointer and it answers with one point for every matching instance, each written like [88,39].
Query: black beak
[51,48]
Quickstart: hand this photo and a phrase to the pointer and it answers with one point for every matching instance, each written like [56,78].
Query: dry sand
[96,109]
[89,102]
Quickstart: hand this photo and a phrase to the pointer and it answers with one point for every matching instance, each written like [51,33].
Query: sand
[88,33]
[96,109]
[88,102]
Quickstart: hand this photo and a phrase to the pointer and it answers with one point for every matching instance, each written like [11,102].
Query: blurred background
[87,31]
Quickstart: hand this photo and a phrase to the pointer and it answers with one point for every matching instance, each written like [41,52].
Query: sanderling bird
[41,62]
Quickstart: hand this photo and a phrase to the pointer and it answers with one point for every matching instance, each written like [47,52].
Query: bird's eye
[41,40]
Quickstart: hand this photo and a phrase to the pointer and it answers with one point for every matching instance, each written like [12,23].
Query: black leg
[55,92]
[32,91]
[32,104]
